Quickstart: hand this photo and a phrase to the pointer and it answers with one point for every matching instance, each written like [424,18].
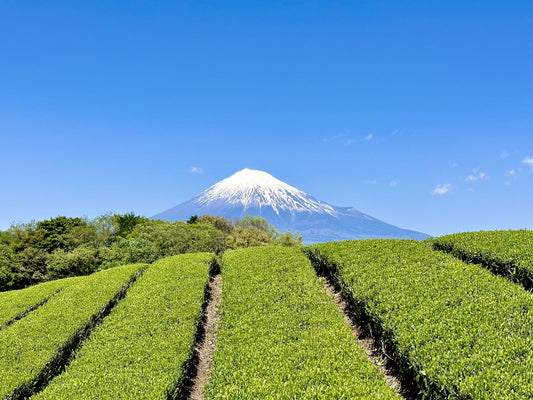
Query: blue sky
[418,113]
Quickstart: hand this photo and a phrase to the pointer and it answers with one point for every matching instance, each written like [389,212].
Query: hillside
[278,327]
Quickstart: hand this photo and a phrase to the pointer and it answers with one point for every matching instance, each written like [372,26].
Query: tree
[193,220]
[258,223]
[105,227]
[247,237]
[21,236]
[52,234]
[60,247]
[82,260]
[32,265]
[288,239]
[126,223]
[9,269]
[222,224]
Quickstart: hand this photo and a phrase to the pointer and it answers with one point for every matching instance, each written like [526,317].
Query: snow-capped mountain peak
[252,188]
[259,194]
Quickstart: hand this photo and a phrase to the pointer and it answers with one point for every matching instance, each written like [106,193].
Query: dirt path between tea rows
[372,348]
[207,343]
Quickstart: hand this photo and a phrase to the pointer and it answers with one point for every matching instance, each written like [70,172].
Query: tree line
[60,247]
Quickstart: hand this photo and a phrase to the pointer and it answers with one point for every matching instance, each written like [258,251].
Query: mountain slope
[257,193]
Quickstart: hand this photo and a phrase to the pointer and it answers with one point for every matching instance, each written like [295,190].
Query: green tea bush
[33,349]
[15,303]
[507,253]
[461,331]
[142,348]
[282,336]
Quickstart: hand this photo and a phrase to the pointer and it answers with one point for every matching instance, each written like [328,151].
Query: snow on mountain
[257,189]
[257,193]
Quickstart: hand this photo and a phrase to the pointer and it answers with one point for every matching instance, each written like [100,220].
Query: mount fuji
[257,193]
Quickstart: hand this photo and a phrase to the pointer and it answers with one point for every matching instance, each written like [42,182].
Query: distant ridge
[257,193]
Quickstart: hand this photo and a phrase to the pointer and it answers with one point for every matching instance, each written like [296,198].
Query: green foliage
[222,224]
[49,249]
[127,251]
[146,340]
[5,238]
[282,337]
[193,220]
[20,236]
[462,331]
[154,239]
[255,231]
[10,276]
[258,223]
[126,223]
[61,247]
[288,239]
[28,345]
[15,303]
[247,237]
[59,233]
[507,253]
[171,238]
[83,260]
[33,265]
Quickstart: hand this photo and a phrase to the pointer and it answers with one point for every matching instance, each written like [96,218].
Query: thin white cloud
[342,137]
[512,175]
[195,170]
[349,142]
[443,188]
[393,183]
[371,181]
[476,177]
[504,154]
[346,139]
[331,138]
[455,165]
[528,161]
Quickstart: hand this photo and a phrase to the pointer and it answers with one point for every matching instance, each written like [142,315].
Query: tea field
[454,315]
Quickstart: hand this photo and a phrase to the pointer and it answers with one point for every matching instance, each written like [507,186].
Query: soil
[206,346]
